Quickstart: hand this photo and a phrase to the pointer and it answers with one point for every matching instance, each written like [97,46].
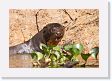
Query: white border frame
[102,71]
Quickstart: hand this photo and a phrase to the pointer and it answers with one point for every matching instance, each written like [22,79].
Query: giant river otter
[51,34]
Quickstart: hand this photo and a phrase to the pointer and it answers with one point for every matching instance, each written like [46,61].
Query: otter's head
[55,32]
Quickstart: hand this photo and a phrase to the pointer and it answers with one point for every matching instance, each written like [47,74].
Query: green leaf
[75,49]
[34,55]
[67,47]
[57,53]
[43,46]
[63,59]
[79,47]
[46,51]
[85,56]
[75,52]
[50,47]
[53,57]
[57,48]
[39,55]
[94,52]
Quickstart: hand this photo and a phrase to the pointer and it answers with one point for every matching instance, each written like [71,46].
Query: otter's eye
[53,29]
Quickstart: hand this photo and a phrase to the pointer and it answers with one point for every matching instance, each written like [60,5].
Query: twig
[37,20]
[68,14]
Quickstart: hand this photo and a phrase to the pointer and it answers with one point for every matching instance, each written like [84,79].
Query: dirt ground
[82,25]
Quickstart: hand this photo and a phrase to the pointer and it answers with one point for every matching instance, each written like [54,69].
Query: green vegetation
[62,56]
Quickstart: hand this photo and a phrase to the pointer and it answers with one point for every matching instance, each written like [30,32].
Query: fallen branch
[37,20]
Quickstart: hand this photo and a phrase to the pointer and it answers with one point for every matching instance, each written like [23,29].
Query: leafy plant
[62,56]
[74,50]
[93,52]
